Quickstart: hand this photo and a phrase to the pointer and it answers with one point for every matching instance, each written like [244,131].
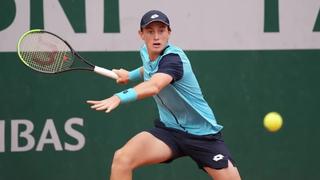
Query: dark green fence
[241,86]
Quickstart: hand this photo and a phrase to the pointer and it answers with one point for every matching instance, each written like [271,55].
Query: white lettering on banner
[22,130]
[49,128]
[75,134]
[205,25]
[26,134]
[2,135]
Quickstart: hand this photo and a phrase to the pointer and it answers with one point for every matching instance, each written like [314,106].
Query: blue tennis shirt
[181,104]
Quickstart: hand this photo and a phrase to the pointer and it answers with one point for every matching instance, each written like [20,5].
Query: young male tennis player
[186,127]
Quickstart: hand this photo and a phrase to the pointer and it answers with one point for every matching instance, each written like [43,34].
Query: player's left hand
[106,105]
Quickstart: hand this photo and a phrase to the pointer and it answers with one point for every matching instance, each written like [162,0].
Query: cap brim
[155,20]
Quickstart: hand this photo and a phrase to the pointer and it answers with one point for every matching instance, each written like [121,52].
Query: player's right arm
[126,76]
[153,86]
[170,70]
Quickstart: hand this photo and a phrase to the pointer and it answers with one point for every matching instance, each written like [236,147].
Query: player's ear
[141,34]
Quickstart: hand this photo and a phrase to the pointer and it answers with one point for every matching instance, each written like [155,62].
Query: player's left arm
[143,90]
[170,70]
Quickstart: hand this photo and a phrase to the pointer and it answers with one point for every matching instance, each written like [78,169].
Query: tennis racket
[46,52]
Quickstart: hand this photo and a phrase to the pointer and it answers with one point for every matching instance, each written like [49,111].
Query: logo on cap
[154,16]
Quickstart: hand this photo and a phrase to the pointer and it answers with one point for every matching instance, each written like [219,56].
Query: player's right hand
[123,75]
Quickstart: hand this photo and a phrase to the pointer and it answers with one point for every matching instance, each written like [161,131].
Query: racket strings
[45,52]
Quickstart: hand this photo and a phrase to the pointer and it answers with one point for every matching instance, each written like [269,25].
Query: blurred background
[250,58]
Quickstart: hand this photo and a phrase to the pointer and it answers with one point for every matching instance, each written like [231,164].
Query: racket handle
[105,72]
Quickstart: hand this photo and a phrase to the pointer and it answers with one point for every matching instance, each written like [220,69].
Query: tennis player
[186,127]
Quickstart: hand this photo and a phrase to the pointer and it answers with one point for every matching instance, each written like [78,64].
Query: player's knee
[121,161]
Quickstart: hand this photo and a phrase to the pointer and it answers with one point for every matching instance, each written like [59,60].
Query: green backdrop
[241,86]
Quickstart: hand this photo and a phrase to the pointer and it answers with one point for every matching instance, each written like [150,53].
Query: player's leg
[211,154]
[228,173]
[142,149]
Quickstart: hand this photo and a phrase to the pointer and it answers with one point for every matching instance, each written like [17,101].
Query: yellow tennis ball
[272,121]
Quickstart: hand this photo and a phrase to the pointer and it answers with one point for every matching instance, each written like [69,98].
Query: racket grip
[105,72]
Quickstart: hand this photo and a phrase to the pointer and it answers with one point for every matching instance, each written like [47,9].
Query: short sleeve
[171,64]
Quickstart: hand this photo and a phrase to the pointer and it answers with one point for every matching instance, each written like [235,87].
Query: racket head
[45,52]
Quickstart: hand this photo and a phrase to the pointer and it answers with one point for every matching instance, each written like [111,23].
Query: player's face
[156,36]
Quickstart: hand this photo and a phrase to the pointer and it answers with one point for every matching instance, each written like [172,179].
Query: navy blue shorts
[206,150]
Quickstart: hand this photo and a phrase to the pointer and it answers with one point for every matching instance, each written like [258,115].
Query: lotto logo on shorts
[218,157]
